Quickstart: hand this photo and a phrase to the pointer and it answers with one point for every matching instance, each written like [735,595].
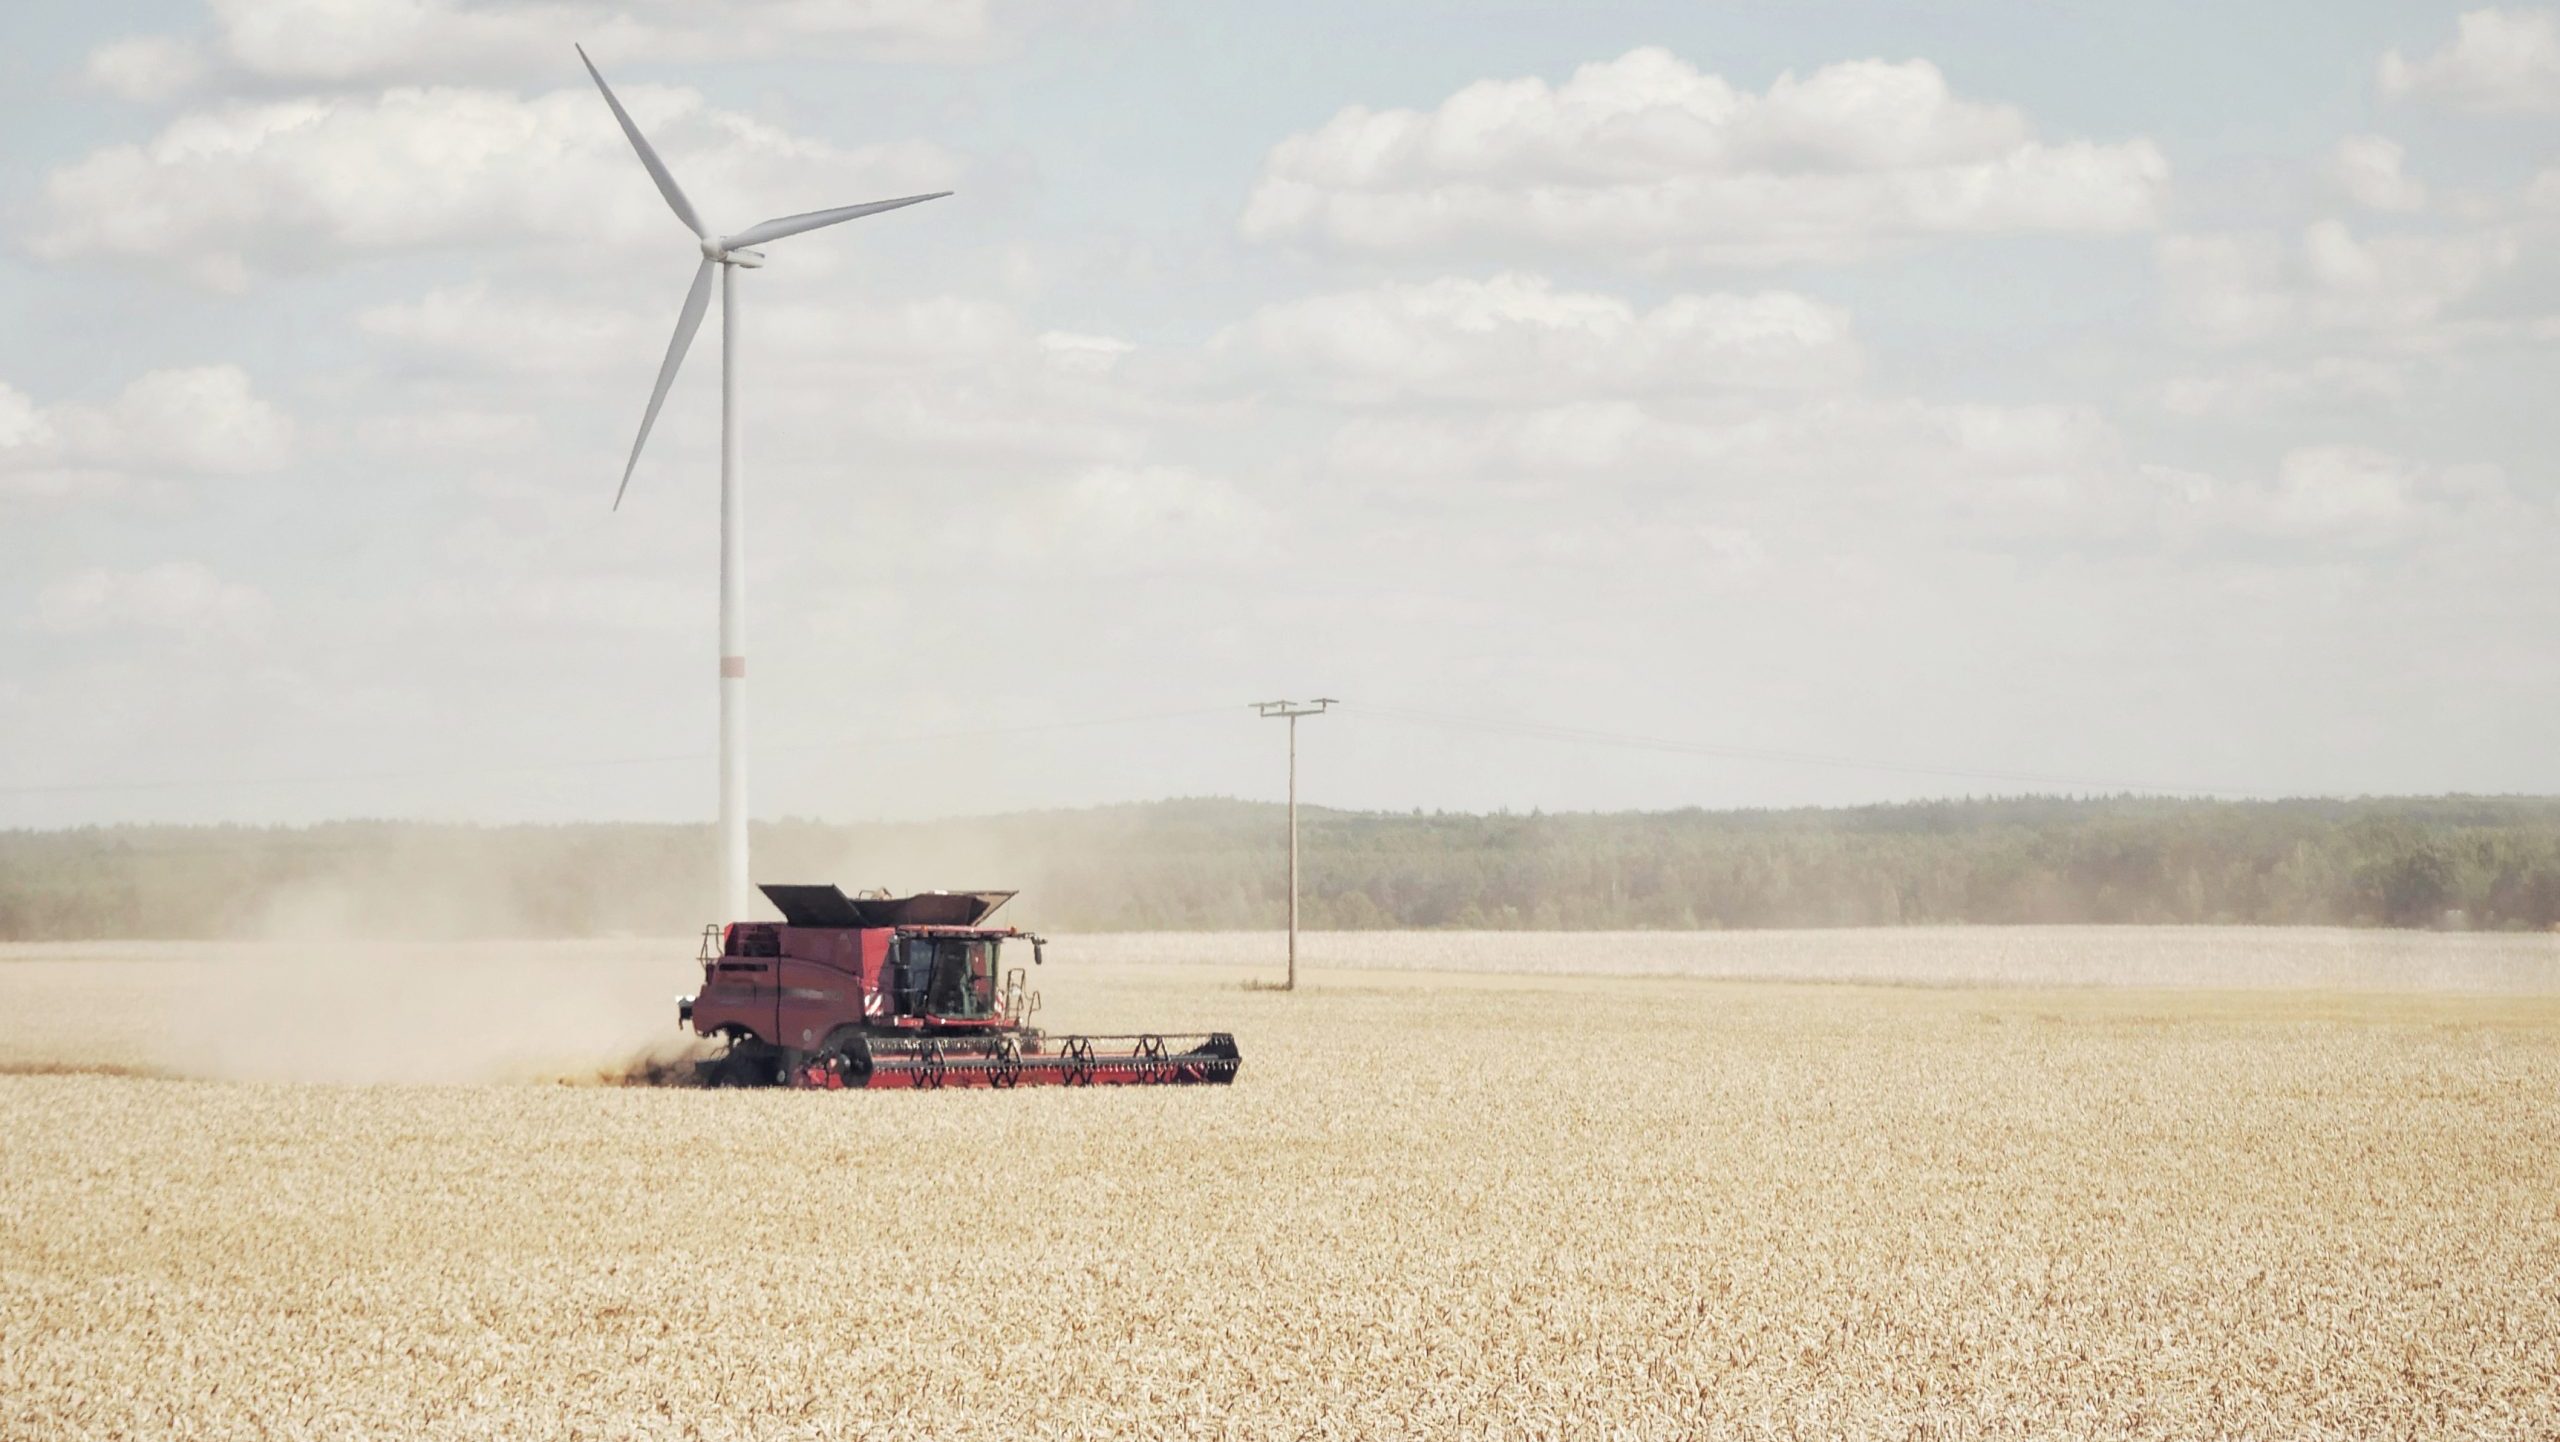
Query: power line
[1542,731]
[588,763]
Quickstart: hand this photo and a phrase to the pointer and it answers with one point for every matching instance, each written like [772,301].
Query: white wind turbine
[729,253]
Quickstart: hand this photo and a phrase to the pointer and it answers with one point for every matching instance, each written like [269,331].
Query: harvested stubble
[1506,1206]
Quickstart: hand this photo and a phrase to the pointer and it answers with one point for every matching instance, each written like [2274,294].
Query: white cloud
[473,330]
[2369,169]
[1125,518]
[1706,558]
[451,430]
[203,420]
[1084,354]
[536,598]
[1646,156]
[24,430]
[250,189]
[1517,338]
[2358,496]
[147,67]
[32,463]
[355,44]
[515,330]
[1834,462]
[2242,287]
[1863,473]
[2259,389]
[2324,499]
[940,385]
[1538,444]
[181,597]
[2498,60]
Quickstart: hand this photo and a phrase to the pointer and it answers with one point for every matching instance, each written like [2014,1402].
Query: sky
[1616,405]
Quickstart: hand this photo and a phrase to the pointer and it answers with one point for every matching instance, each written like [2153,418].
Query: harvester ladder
[1018,1003]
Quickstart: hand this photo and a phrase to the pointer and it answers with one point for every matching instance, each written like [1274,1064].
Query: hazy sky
[2158,394]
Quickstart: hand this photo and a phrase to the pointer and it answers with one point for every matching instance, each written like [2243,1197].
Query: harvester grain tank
[906,991]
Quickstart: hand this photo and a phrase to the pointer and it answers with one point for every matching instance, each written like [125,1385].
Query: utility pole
[1291,711]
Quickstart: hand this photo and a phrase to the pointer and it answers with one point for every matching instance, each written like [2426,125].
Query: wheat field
[1523,1202]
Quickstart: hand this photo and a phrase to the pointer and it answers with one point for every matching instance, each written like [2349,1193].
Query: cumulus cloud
[1840,459]
[508,329]
[1517,338]
[148,67]
[2262,389]
[352,44]
[472,329]
[1124,519]
[1646,156]
[23,428]
[942,383]
[451,430]
[2363,497]
[2323,500]
[1711,559]
[1125,509]
[1822,473]
[249,189]
[534,598]
[2498,60]
[1084,354]
[32,464]
[202,420]
[2233,288]
[180,597]
[2368,169]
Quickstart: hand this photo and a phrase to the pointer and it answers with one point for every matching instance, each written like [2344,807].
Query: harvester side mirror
[1036,956]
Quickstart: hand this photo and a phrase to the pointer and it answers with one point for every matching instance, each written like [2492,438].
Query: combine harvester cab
[905,991]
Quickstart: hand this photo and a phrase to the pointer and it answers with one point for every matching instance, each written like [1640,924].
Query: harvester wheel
[1007,1071]
[736,1067]
[855,1056]
[1079,1058]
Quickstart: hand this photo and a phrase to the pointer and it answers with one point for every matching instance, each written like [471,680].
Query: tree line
[2487,862]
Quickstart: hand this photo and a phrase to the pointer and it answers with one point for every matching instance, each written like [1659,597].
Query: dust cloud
[426,1012]
[393,968]
[352,1012]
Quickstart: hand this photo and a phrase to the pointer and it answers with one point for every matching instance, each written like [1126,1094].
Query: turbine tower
[730,253]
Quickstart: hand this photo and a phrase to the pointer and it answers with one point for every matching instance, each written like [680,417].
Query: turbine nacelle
[720,251]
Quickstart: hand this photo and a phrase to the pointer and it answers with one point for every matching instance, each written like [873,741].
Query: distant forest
[2486,862]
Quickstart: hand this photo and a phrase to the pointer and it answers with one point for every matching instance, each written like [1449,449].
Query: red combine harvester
[904,991]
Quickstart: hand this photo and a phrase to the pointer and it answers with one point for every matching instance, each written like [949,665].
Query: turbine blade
[657,168]
[696,301]
[794,224]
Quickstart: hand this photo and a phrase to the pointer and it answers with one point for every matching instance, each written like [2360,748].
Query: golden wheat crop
[2185,957]
[1498,1206]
